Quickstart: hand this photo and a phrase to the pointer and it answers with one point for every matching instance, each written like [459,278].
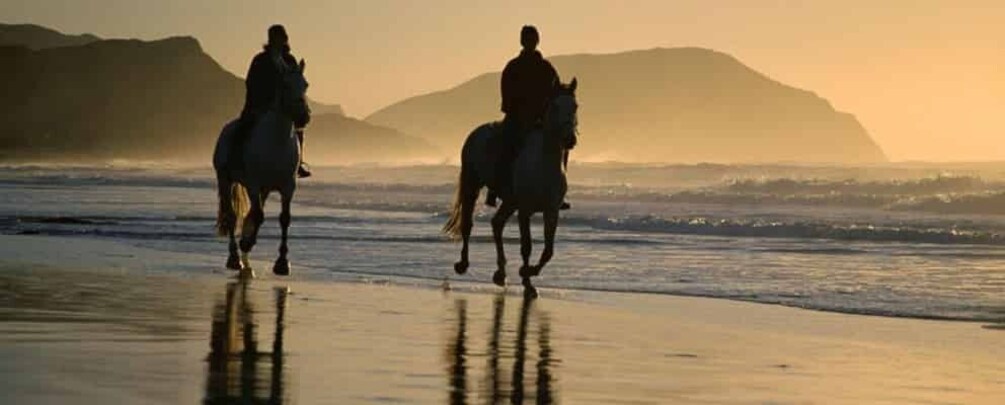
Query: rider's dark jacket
[262,81]
[528,82]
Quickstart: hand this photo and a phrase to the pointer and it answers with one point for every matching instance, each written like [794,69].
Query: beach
[106,321]
[697,203]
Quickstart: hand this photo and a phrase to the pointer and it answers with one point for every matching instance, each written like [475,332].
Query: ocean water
[909,241]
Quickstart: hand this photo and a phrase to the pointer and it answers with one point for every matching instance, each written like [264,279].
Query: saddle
[501,144]
[242,129]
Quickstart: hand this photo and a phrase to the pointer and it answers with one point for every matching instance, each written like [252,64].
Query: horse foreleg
[498,224]
[249,233]
[550,227]
[526,245]
[282,266]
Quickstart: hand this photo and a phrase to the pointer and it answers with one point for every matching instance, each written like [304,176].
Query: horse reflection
[237,370]
[496,388]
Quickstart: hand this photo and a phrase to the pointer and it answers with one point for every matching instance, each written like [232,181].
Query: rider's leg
[302,171]
[504,166]
[565,166]
[503,175]
[235,158]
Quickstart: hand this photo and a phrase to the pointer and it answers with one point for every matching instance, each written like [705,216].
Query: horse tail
[453,226]
[224,208]
[240,203]
[234,206]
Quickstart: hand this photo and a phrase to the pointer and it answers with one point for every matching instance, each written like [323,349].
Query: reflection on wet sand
[496,389]
[238,372]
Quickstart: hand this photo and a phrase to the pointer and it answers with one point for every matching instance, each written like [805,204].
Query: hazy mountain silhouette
[336,138]
[131,99]
[37,37]
[322,108]
[678,105]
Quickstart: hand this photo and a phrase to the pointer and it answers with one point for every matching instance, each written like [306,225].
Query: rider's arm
[554,73]
[290,60]
[256,83]
[506,88]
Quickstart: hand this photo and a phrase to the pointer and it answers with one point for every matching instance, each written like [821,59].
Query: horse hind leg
[468,197]
[249,233]
[226,218]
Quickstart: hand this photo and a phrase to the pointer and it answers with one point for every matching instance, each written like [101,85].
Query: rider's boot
[565,166]
[303,171]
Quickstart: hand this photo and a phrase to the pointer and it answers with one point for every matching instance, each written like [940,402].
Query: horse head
[293,95]
[561,116]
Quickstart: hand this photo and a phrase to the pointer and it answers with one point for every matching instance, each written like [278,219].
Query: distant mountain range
[37,37]
[666,105]
[85,98]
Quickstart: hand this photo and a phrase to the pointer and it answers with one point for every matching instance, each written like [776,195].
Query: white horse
[539,185]
[271,156]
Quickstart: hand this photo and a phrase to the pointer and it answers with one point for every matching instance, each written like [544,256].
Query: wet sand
[99,321]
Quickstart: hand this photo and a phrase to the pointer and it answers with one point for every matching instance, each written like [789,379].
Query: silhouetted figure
[263,78]
[528,84]
[539,185]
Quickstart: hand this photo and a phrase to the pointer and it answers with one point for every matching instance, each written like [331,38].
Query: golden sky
[925,77]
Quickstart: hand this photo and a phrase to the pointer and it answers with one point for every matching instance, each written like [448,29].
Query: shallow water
[385,222]
[113,336]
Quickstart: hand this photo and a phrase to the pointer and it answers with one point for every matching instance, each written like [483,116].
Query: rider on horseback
[528,83]
[263,78]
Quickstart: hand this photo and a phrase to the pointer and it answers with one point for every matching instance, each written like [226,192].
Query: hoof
[499,278]
[282,267]
[529,291]
[461,267]
[246,274]
[245,261]
[530,271]
[234,263]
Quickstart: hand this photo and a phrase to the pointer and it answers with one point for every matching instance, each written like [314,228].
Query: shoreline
[125,254]
[104,321]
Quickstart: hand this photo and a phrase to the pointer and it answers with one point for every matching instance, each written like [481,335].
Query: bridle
[568,129]
[284,103]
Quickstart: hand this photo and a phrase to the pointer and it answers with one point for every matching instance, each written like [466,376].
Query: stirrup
[565,205]
[303,171]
